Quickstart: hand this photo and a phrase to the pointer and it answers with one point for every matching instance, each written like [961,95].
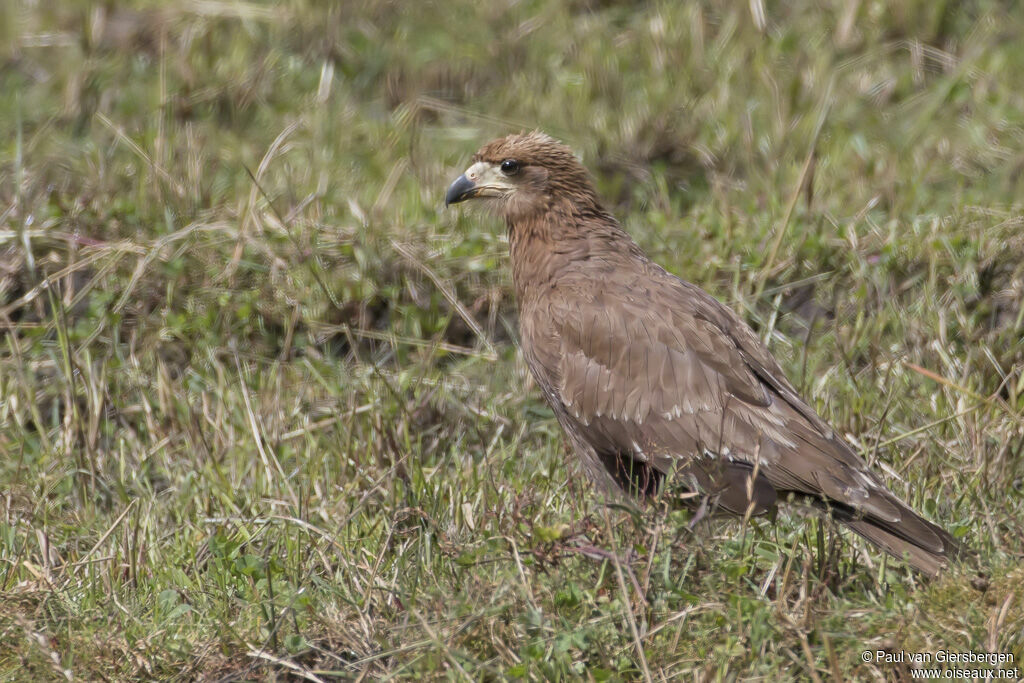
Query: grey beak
[462,189]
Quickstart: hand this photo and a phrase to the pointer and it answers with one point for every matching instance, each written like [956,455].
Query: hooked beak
[482,179]
[462,189]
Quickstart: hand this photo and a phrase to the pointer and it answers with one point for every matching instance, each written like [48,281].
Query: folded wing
[654,374]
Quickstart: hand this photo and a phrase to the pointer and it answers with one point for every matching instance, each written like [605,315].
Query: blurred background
[261,410]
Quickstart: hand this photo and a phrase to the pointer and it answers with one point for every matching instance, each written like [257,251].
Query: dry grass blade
[296,669]
[118,131]
[450,297]
[805,174]
[627,604]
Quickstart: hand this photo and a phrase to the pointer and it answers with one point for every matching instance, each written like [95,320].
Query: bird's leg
[700,514]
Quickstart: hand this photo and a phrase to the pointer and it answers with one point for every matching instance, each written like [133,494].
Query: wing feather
[686,377]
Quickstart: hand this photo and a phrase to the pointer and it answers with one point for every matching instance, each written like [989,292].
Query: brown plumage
[651,376]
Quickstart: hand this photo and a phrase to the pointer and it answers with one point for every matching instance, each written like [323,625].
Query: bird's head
[521,174]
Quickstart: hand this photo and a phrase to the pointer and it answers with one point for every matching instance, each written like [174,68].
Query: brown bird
[651,377]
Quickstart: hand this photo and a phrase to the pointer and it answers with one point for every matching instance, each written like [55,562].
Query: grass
[279,428]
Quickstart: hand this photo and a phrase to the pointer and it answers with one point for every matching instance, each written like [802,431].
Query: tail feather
[925,546]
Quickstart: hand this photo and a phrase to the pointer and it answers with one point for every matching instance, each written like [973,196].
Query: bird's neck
[544,243]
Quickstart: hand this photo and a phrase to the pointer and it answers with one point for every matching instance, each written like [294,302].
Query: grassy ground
[282,430]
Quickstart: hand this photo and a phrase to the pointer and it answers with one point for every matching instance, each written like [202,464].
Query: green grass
[273,431]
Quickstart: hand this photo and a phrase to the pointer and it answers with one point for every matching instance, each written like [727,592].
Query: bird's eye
[510,167]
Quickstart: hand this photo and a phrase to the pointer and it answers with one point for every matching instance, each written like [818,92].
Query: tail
[925,546]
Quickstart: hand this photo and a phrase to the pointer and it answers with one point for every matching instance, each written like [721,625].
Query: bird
[655,382]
